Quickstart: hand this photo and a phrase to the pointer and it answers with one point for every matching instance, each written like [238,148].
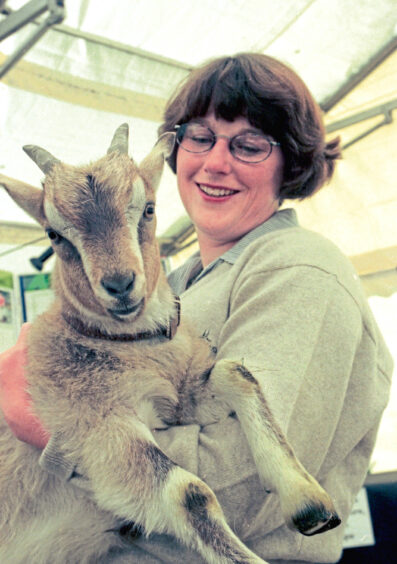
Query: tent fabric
[311,35]
[106,64]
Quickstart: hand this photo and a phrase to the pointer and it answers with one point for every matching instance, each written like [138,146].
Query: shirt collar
[192,270]
[279,220]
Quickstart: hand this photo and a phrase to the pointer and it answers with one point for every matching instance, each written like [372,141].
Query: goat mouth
[126,310]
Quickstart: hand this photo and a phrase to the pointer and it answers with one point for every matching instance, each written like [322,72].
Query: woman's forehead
[213,122]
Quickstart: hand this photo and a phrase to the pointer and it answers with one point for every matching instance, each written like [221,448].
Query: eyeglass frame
[216,137]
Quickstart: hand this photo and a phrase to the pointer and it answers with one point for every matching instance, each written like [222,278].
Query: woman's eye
[201,140]
[149,211]
[54,236]
[250,149]
[247,147]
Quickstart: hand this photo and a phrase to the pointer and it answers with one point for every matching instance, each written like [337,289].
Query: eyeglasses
[248,147]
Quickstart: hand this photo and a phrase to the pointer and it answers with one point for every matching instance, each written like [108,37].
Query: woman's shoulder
[295,246]
[299,248]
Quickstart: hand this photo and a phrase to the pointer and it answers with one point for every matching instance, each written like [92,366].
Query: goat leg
[304,503]
[141,484]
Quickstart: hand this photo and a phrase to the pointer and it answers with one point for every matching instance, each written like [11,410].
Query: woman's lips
[216,191]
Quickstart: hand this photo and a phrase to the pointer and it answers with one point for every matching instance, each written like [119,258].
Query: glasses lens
[251,147]
[195,138]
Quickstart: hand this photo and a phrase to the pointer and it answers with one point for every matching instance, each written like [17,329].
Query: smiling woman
[249,135]
[274,100]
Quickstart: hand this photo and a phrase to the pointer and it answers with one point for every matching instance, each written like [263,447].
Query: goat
[105,366]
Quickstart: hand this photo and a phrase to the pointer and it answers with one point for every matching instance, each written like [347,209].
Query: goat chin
[158,309]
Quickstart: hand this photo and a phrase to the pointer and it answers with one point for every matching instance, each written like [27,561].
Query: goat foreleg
[304,503]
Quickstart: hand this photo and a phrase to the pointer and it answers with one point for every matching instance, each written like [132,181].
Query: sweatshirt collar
[280,220]
[192,270]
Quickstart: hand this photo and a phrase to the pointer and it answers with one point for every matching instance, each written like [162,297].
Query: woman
[264,290]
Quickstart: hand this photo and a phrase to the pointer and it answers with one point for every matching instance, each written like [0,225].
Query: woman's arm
[15,402]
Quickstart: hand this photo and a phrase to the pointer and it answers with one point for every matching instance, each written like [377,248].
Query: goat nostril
[119,285]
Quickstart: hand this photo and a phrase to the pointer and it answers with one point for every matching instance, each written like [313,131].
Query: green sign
[31,282]
[6,279]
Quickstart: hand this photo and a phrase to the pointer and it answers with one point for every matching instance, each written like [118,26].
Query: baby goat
[106,366]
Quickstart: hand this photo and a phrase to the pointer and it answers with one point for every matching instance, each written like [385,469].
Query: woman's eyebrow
[212,127]
[252,129]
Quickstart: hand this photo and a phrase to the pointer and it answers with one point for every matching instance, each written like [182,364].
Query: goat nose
[119,285]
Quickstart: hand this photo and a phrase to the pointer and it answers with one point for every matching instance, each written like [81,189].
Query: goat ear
[166,143]
[152,166]
[29,198]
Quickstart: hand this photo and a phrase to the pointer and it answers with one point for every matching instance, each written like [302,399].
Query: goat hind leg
[198,519]
[304,503]
[146,487]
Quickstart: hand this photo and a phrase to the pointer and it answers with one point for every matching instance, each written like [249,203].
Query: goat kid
[104,369]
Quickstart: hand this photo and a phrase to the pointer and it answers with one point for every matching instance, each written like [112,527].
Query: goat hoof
[313,521]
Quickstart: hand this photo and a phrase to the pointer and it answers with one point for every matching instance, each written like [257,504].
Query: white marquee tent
[98,64]
[108,63]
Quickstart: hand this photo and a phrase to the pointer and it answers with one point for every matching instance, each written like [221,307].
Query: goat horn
[44,160]
[120,140]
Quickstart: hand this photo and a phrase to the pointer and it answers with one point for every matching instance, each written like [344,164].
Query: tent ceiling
[148,46]
[108,63]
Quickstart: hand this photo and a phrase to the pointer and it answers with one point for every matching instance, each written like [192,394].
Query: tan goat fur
[100,393]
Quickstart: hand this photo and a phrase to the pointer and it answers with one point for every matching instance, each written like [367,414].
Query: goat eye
[149,210]
[54,236]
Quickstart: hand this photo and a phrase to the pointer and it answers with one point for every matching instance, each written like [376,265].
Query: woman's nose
[218,159]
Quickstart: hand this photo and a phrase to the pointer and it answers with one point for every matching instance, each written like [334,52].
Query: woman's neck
[213,243]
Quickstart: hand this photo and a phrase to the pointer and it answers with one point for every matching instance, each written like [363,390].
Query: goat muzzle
[119,285]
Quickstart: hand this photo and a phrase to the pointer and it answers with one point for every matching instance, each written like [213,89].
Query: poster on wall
[22,298]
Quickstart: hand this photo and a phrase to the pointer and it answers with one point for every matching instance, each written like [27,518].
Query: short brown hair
[273,98]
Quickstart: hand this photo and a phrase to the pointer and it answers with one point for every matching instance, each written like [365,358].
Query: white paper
[359,530]
[8,323]
[36,302]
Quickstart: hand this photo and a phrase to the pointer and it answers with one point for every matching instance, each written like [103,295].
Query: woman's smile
[215,192]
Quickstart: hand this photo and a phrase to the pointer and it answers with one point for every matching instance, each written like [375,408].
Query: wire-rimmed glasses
[248,146]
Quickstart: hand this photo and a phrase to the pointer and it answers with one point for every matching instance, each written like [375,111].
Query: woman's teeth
[216,191]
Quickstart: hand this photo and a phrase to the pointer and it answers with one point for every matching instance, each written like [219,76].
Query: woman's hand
[15,402]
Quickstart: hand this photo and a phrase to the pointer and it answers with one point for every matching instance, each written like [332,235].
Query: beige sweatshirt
[289,305]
